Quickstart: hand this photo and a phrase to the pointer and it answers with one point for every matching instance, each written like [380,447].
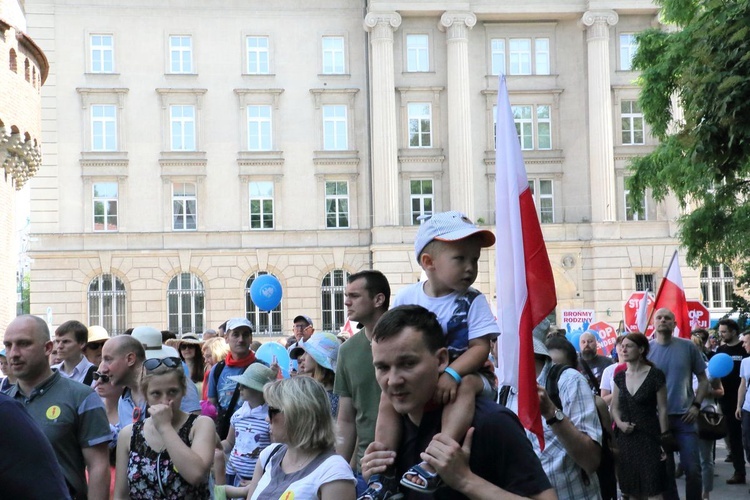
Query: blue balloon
[575,339]
[720,365]
[270,350]
[266,292]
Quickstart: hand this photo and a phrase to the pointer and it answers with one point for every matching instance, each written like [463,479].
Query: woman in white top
[302,462]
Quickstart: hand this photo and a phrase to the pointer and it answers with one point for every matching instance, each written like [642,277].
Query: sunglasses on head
[272,412]
[154,363]
[100,376]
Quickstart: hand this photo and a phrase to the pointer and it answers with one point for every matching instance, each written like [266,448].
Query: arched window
[185,304]
[332,300]
[13,61]
[107,302]
[717,286]
[27,70]
[264,323]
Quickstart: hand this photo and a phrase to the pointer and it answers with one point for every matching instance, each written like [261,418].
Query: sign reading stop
[607,337]
[631,312]
[699,315]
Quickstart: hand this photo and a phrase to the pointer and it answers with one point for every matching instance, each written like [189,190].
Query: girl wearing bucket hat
[317,359]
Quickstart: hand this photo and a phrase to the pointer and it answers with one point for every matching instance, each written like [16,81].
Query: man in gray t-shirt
[680,359]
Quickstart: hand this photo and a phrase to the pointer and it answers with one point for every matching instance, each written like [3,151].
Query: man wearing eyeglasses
[70,415]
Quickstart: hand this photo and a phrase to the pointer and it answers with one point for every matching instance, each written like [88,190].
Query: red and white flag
[526,288]
[641,316]
[671,295]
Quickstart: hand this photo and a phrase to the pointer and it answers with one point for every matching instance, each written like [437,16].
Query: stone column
[385,189]
[461,182]
[601,126]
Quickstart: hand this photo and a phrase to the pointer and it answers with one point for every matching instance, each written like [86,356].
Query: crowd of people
[408,407]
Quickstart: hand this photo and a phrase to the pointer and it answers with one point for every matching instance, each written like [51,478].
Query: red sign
[607,337]
[631,312]
[699,315]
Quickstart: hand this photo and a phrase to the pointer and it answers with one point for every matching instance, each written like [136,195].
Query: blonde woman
[214,350]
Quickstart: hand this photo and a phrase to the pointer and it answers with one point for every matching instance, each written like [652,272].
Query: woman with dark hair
[317,359]
[190,353]
[639,408]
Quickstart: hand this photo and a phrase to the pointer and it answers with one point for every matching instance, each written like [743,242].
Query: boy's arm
[474,357]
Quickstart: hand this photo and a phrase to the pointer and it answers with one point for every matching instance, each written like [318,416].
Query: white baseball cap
[449,226]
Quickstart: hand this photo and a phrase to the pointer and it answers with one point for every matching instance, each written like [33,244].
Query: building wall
[594,258]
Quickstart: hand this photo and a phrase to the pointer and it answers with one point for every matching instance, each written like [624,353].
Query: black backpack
[224,414]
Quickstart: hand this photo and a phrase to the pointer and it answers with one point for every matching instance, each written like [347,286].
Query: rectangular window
[644,282]
[543,127]
[421,199]
[182,126]
[628,46]
[631,118]
[335,135]
[524,126]
[417,53]
[333,55]
[541,56]
[259,128]
[546,202]
[102,53]
[632,211]
[497,48]
[420,124]
[533,126]
[337,204]
[180,54]
[257,55]
[105,206]
[520,56]
[103,127]
[261,205]
[184,207]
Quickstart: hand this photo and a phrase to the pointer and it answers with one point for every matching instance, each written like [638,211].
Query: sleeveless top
[152,475]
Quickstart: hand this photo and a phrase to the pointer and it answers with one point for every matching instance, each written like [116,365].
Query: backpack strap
[273,452]
[89,376]
[217,373]
[590,376]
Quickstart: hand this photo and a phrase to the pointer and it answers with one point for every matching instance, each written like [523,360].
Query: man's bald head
[587,345]
[38,325]
[125,344]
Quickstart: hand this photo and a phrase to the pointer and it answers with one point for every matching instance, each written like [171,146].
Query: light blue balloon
[270,350]
[720,365]
[575,339]
[266,292]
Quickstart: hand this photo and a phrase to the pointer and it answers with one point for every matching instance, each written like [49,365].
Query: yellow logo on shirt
[287,495]
[53,412]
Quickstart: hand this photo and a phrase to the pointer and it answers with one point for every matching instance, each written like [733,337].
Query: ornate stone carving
[456,24]
[382,22]
[598,22]
[20,157]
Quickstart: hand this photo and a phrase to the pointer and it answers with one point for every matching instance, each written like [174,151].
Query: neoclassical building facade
[198,147]
[23,71]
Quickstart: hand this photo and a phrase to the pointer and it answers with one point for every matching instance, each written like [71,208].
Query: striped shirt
[251,436]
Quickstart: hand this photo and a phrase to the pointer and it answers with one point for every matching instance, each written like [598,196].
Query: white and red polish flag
[526,287]
[671,295]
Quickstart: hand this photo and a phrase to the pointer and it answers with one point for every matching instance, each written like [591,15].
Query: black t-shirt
[731,382]
[500,452]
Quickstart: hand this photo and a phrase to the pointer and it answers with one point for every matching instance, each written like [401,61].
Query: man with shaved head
[591,364]
[69,413]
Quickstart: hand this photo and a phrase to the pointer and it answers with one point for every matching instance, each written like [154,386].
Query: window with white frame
[633,211]
[544,199]
[103,127]
[717,286]
[420,124]
[332,300]
[333,55]
[185,304]
[261,205]
[520,56]
[182,127]
[257,55]
[335,134]
[259,135]
[417,53]
[102,48]
[628,46]
[107,300]
[184,207]
[105,206]
[337,204]
[631,118]
[644,281]
[265,324]
[533,126]
[180,54]
[421,197]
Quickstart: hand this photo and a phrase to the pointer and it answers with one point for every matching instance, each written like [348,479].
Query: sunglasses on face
[154,363]
[272,412]
[100,376]
[94,346]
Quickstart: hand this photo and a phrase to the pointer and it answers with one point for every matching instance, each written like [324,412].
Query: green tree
[703,63]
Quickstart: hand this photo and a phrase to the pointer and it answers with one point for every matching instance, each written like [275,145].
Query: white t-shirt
[302,484]
[608,378]
[745,373]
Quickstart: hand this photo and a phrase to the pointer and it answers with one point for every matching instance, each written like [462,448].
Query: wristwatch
[559,417]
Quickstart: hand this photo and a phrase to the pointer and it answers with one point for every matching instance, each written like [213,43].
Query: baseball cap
[449,226]
[255,376]
[150,337]
[239,322]
[323,347]
[304,318]
[97,334]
